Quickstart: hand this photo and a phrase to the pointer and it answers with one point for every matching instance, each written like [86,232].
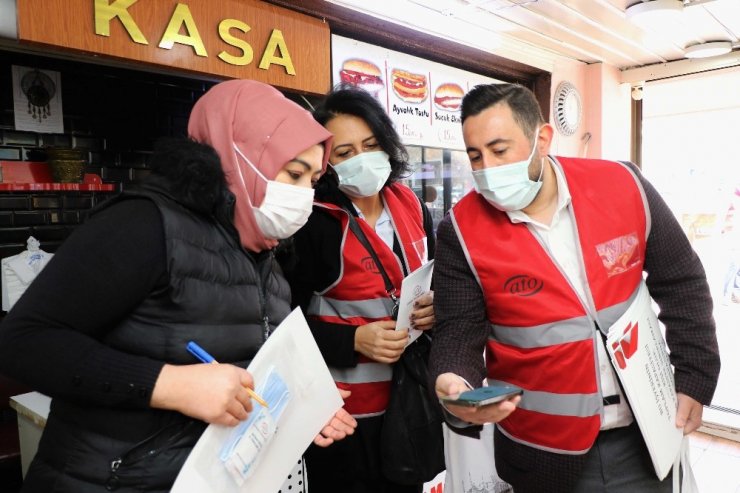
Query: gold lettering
[277,41]
[224,28]
[105,13]
[172,35]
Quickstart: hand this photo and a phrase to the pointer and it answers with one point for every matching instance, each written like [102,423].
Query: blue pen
[200,353]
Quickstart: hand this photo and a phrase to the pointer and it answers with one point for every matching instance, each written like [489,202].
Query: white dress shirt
[383,226]
[559,237]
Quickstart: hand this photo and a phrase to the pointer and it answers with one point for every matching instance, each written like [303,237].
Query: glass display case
[441,177]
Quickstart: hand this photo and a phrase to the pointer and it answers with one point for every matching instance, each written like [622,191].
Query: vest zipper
[145,448]
[260,278]
[263,272]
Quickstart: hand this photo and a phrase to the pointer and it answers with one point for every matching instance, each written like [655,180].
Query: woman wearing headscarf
[348,304]
[188,255]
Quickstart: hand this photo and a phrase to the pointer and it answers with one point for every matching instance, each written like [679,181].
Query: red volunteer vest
[542,335]
[359,296]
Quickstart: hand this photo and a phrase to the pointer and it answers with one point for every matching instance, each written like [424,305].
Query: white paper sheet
[413,286]
[638,352]
[315,399]
[37,100]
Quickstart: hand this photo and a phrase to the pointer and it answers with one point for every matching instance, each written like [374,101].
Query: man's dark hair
[350,100]
[524,107]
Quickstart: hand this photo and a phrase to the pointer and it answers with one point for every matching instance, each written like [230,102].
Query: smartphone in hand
[483,396]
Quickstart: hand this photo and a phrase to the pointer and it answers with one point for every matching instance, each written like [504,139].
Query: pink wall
[606,112]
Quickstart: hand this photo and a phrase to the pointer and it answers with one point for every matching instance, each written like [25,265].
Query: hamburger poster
[422,98]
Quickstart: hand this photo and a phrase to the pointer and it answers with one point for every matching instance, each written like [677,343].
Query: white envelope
[413,286]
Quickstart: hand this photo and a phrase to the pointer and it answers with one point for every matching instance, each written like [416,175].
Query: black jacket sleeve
[53,338]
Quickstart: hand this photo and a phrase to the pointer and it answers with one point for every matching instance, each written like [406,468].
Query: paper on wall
[413,286]
[292,351]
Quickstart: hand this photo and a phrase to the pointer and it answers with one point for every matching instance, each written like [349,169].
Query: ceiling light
[705,50]
[655,12]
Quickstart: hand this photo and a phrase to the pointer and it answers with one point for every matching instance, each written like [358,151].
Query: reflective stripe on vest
[581,405]
[543,335]
[331,308]
[359,297]
[570,330]
[369,382]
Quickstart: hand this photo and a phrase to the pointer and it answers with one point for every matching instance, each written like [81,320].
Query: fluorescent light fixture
[8,19]
[705,50]
[655,12]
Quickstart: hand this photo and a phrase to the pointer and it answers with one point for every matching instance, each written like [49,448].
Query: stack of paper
[291,350]
[640,358]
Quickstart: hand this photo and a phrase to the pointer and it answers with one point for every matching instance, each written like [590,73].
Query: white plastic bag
[688,482]
[470,463]
[17,272]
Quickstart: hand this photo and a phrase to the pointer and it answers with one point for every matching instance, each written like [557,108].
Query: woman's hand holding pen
[212,393]
[381,341]
[422,317]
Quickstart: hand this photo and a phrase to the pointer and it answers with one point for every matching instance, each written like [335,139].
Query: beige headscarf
[269,129]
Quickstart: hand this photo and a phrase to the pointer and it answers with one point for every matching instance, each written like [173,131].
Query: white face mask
[363,175]
[285,208]
[508,187]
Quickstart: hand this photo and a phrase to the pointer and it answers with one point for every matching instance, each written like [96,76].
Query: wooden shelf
[64,187]
[29,176]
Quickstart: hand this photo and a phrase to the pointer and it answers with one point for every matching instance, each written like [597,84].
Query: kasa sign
[245,39]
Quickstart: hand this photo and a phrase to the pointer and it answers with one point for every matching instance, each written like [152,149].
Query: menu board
[422,98]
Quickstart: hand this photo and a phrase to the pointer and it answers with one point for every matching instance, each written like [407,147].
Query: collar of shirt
[563,201]
[382,226]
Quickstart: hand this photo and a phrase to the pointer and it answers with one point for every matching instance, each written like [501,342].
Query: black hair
[350,100]
[524,107]
[192,170]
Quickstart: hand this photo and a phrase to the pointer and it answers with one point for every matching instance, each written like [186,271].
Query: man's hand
[448,384]
[340,425]
[688,415]
[381,341]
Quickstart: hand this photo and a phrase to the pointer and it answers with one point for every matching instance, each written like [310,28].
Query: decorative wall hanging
[37,100]
[39,89]
[567,108]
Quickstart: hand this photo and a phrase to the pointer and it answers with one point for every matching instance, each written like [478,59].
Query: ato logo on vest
[523,285]
[369,265]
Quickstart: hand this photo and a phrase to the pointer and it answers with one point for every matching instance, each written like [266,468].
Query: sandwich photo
[361,73]
[412,88]
[448,97]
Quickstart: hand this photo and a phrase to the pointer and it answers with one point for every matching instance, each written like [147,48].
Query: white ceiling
[543,32]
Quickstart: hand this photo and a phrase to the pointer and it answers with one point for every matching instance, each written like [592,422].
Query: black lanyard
[389,288]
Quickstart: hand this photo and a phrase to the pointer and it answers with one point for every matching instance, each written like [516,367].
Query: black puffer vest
[227,299]
[219,294]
